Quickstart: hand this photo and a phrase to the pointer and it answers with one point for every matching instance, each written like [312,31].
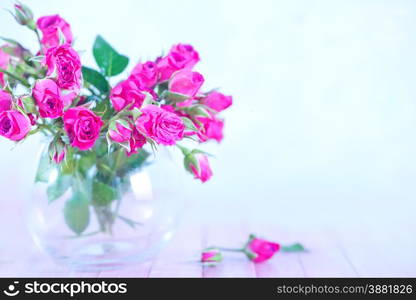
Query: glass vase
[102,210]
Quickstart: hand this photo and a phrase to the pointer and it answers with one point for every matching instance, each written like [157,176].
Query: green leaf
[198,110]
[44,168]
[77,213]
[174,97]
[297,247]
[11,41]
[189,124]
[103,194]
[108,59]
[96,79]
[59,187]
[28,104]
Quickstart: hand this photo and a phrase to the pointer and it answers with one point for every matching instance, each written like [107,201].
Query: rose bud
[120,131]
[66,63]
[51,26]
[14,125]
[186,83]
[210,128]
[82,126]
[259,250]
[5,101]
[23,15]
[211,256]
[146,74]
[57,150]
[198,164]
[217,101]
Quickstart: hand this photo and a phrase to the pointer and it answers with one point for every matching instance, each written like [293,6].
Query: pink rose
[125,93]
[48,98]
[137,141]
[14,125]
[186,82]
[51,26]
[5,101]
[259,250]
[67,64]
[210,128]
[160,125]
[82,126]
[203,171]
[146,74]
[217,101]
[121,134]
[188,52]
[211,255]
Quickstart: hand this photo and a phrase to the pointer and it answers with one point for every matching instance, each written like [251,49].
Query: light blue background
[323,124]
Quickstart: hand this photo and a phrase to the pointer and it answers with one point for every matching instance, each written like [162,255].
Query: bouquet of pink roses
[94,126]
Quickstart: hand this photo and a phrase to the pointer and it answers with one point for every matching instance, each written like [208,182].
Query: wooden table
[357,250]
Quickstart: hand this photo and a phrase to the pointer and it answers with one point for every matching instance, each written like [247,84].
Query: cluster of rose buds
[160,103]
[256,249]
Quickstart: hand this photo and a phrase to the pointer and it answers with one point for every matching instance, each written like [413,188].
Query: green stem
[39,40]
[115,117]
[230,249]
[185,151]
[18,78]
[47,128]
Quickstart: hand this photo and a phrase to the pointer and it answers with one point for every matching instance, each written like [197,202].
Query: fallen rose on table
[256,249]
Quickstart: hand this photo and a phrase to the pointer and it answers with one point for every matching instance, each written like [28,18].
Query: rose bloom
[259,250]
[14,125]
[203,172]
[210,129]
[4,63]
[160,125]
[125,93]
[217,101]
[67,64]
[146,74]
[180,57]
[188,52]
[50,27]
[186,82]
[5,101]
[82,126]
[168,65]
[48,99]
